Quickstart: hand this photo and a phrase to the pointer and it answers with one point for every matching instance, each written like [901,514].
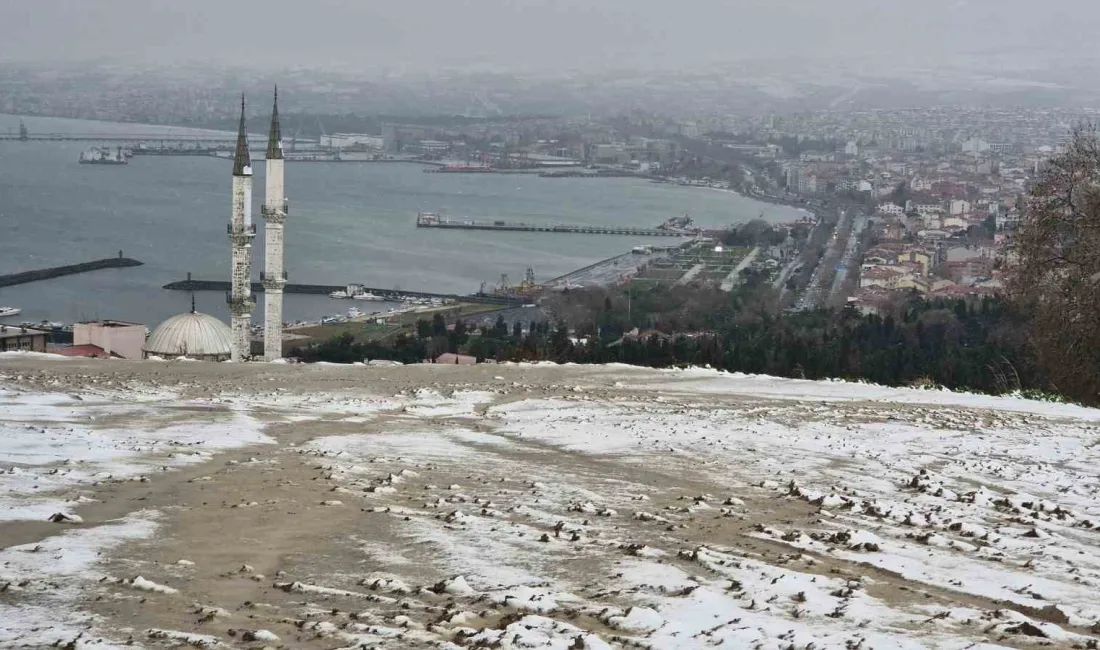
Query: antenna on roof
[192,301]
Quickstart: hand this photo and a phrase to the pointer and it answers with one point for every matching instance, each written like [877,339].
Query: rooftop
[82,351]
[110,323]
[16,331]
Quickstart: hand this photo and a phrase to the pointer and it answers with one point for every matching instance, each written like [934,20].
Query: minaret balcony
[273,282]
[240,304]
[274,215]
[250,229]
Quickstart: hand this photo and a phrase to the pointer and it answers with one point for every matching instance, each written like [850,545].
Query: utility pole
[629,305]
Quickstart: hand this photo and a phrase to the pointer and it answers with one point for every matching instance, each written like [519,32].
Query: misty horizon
[860,36]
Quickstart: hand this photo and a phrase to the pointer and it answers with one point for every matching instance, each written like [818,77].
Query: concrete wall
[125,340]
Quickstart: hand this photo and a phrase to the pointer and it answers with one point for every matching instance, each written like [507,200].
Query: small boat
[339,294]
[366,295]
[103,156]
[354,312]
[9,311]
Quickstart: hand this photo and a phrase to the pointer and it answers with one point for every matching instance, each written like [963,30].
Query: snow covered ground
[58,444]
[539,507]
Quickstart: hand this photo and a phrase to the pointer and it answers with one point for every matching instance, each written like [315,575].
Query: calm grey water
[349,222]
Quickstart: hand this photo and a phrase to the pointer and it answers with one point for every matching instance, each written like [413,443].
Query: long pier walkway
[395,295]
[125,138]
[24,277]
[422,222]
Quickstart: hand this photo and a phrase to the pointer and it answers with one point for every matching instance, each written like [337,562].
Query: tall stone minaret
[274,212]
[241,231]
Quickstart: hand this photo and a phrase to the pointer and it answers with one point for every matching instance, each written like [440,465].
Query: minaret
[241,231]
[274,212]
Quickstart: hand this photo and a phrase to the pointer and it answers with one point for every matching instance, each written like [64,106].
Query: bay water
[349,222]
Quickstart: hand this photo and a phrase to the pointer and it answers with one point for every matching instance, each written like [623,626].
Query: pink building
[115,338]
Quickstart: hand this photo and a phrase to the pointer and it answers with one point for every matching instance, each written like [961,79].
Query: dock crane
[294,138]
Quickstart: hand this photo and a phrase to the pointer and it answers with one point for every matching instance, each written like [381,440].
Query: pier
[425,220]
[24,277]
[392,295]
[122,138]
[209,140]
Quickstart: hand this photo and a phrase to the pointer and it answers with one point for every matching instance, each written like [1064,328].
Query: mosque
[193,335]
[204,337]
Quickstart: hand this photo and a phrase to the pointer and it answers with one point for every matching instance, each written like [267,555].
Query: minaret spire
[275,136]
[275,213]
[241,232]
[242,161]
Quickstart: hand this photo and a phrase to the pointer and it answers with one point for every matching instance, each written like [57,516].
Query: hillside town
[942,188]
[939,190]
[944,193]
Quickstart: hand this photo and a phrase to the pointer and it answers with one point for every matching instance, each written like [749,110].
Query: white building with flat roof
[346,140]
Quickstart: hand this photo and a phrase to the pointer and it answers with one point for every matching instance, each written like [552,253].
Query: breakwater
[394,295]
[24,277]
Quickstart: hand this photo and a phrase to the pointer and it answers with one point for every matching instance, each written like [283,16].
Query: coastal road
[850,257]
[820,283]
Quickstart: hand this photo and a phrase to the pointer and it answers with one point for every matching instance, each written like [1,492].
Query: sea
[348,222]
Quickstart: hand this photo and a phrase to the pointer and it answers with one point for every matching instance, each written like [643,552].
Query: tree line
[963,345]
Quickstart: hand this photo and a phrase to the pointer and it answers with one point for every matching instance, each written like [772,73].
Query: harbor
[388,295]
[355,222]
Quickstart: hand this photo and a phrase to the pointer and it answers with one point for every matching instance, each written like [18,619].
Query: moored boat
[103,156]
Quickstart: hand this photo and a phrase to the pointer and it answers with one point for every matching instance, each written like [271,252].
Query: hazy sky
[543,34]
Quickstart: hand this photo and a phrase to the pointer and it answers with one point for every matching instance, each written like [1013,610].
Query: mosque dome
[192,335]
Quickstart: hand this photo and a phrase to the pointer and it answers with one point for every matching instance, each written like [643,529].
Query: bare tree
[1053,270]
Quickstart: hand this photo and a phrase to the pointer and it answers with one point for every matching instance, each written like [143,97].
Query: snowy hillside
[536,507]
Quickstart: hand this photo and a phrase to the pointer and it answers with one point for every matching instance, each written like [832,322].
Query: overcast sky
[536,34]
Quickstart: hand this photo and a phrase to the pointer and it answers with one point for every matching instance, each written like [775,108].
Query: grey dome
[193,335]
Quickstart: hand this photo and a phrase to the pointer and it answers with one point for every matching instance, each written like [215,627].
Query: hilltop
[535,506]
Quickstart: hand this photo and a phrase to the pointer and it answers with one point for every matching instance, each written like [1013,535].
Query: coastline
[200,130]
[804,207]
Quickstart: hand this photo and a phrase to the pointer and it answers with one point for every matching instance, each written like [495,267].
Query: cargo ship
[103,156]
